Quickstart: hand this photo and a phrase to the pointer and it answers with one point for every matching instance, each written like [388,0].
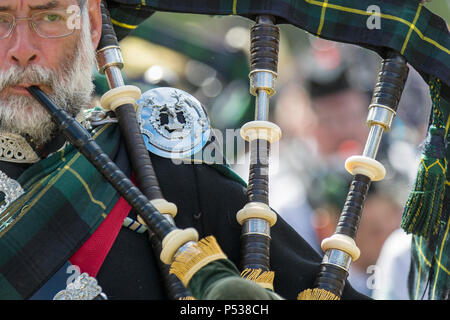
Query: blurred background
[323,91]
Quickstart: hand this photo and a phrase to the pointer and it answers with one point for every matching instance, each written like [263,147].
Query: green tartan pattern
[65,200]
[406,26]
[430,257]
[431,266]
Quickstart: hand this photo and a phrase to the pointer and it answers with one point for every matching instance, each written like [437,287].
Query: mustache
[34,74]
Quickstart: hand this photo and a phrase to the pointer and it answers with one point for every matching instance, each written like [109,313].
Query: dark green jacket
[207,201]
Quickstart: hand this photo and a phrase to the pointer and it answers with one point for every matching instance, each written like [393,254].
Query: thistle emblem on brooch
[174,124]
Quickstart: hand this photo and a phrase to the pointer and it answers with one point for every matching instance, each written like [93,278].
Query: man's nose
[23,51]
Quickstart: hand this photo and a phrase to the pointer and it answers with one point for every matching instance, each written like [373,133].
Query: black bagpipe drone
[400,40]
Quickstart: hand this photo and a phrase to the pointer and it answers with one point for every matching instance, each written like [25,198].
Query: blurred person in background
[394,263]
[323,118]
[380,217]
[323,121]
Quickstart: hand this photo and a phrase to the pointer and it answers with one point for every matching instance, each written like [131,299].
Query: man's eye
[52,17]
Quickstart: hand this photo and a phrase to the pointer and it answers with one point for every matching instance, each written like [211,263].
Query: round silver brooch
[174,124]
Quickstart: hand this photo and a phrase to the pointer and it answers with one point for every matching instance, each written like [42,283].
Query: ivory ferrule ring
[256,210]
[119,96]
[264,130]
[343,243]
[366,166]
[176,239]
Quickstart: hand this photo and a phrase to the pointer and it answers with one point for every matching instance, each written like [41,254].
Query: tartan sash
[405,25]
[65,200]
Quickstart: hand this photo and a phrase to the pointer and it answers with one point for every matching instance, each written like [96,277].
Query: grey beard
[71,86]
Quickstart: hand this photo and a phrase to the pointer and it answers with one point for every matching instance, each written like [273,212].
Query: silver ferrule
[108,57]
[337,258]
[256,226]
[266,19]
[380,115]
[190,245]
[262,80]
[373,141]
[262,106]
[114,77]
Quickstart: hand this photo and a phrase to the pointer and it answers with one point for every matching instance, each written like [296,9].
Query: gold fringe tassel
[265,279]
[187,298]
[317,294]
[196,257]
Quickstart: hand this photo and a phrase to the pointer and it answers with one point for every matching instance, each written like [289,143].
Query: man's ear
[95,17]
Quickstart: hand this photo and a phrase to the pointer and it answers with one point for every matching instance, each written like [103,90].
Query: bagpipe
[410,34]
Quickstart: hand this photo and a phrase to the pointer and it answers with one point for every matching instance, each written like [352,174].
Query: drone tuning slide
[122,99]
[257,217]
[340,249]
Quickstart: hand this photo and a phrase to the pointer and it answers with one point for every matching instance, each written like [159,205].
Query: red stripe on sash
[89,258]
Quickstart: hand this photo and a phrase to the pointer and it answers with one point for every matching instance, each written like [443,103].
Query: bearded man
[55,204]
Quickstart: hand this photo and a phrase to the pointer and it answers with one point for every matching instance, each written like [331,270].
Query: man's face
[24,47]
[341,121]
[61,67]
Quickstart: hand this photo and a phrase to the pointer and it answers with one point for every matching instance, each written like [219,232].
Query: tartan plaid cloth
[65,200]
[406,26]
[430,275]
